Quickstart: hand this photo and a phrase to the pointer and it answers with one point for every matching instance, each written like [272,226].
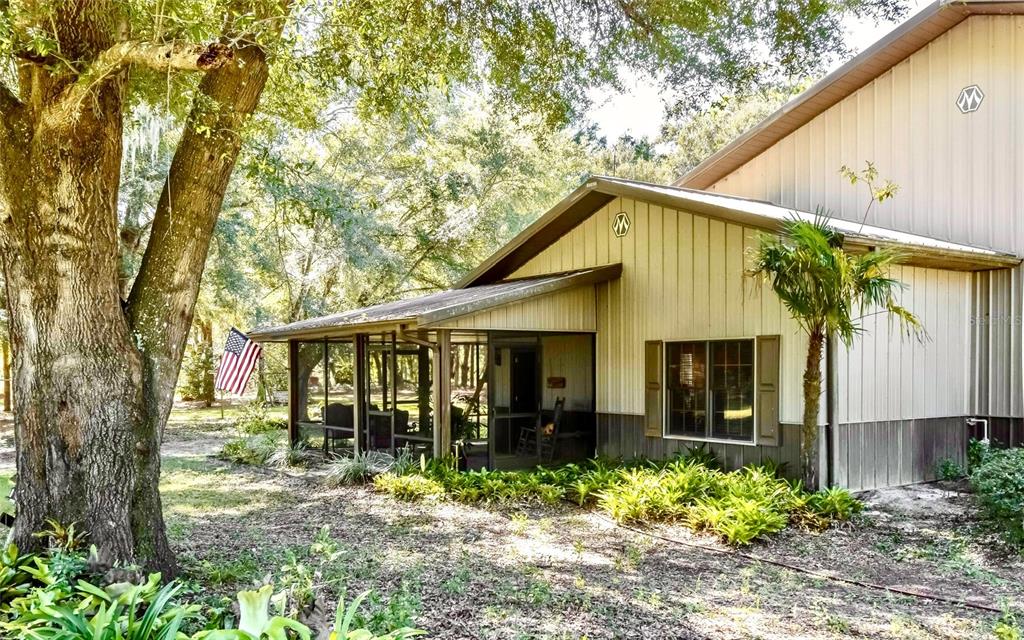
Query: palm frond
[821,284]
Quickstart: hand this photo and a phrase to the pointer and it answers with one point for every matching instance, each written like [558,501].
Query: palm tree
[827,291]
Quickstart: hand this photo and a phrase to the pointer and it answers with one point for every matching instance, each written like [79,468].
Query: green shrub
[410,488]
[949,469]
[198,371]
[255,419]
[977,451]
[255,450]
[999,483]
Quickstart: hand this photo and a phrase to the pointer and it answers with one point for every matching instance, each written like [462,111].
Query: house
[626,310]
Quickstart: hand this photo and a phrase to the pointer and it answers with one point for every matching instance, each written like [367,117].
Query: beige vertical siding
[959,175]
[569,310]
[683,278]
[887,375]
[569,357]
[961,178]
[995,333]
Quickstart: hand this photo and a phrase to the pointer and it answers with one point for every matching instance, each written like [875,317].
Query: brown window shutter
[654,392]
[769,432]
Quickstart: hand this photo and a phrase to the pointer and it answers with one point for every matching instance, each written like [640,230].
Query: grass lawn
[463,571]
[193,413]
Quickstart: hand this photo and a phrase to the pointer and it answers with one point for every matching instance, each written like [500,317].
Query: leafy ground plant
[949,469]
[254,450]
[255,419]
[38,602]
[998,479]
[410,488]
[739,506]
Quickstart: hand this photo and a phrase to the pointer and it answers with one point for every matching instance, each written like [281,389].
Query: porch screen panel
[469,392]
[414,411]
[310,381]
[341,393]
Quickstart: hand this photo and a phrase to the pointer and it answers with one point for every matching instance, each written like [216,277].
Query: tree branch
[160,57]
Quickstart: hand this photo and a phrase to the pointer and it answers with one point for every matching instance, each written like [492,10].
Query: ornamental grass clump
[360,467]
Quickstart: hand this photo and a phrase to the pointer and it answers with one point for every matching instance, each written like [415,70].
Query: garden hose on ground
[805,571]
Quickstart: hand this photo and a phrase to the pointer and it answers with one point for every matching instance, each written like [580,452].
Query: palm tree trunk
[812,401]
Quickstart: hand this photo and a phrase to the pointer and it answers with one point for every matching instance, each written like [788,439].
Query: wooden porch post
[293,391]
[358,380]
[442,392]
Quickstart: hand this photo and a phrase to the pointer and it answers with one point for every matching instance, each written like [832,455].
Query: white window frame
[666,423]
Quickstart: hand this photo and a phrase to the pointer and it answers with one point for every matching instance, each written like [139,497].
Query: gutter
[831,406]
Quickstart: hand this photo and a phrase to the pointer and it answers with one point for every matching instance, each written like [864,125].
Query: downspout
[831,405]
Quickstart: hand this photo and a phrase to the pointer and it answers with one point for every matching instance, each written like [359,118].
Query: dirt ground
[467,572]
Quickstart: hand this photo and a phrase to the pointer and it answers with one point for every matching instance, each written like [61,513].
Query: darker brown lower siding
[622,436]
[868,455]
[871,455]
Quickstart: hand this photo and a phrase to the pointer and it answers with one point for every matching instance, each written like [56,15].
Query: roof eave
[272,334]
[586,277]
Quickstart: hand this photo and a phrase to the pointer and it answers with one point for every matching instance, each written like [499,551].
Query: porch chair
[550,433]
[527,446]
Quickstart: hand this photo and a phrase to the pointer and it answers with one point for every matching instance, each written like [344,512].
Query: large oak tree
[94,371]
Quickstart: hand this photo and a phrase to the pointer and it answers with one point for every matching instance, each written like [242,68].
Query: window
[711,389]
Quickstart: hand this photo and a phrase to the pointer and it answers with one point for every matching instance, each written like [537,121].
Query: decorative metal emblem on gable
[970,99]
[620,225]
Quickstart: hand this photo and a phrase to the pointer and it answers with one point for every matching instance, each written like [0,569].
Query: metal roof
[437,307]
[599,190]
[893,48]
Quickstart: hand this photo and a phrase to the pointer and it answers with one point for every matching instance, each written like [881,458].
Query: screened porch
[506,399]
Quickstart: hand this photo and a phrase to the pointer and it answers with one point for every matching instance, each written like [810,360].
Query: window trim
[752,442]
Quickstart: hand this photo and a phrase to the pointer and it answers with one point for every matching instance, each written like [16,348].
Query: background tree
[696,135]
[95,370]
[827,291]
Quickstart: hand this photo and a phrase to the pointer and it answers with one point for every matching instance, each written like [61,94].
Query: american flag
[237,363]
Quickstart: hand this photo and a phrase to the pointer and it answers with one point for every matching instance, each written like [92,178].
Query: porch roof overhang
[915,249]
[426,311]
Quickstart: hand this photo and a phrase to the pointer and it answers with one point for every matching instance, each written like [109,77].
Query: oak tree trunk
[82,437]
[812,403]
[94,374]
[5,372]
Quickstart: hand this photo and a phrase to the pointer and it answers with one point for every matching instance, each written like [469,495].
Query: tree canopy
[103,266]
